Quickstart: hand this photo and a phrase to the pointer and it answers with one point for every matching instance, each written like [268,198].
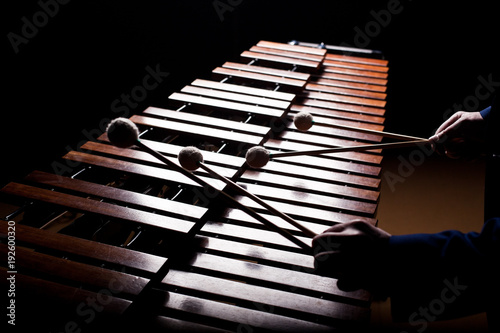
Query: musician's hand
[351,252]
[462,135]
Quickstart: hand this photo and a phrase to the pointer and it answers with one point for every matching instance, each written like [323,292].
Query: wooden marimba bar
[128,240]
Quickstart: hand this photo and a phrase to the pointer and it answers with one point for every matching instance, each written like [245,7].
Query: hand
[462,135]
[351,252]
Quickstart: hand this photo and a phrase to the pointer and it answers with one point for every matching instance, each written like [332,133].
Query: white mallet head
[190,158]
[257,157]
[303,121]
[122,132]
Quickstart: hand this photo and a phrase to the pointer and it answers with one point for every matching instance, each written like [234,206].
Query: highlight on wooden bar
[116,236]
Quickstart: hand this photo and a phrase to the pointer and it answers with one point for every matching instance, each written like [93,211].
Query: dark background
[65,78]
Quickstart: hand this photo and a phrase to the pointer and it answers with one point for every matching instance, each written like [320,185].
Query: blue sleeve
[486,113]
[444,275]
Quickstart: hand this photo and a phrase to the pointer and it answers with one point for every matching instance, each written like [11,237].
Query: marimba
[123,239]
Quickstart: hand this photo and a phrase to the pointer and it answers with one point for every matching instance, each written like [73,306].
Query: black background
[64,79]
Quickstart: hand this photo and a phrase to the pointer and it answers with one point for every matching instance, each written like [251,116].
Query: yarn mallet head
[122,132]
[303,121]
[190,158]
[257,157]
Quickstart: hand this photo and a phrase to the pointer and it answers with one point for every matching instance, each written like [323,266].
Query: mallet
[123,133]
[304,121]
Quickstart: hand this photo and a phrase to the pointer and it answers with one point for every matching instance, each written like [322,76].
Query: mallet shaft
[351,148]
[246,209]
[370,131]
[258,200]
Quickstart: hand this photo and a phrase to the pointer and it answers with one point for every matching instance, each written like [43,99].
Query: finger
[346,236]
[329,263]
[348,240]
[453,151]
[333,260]
[447,128]
[338,227]
[326,257]
[461,148]
[338,266]
[349,284]
[326,240]
[432,140]
[449,122]
[334,242]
